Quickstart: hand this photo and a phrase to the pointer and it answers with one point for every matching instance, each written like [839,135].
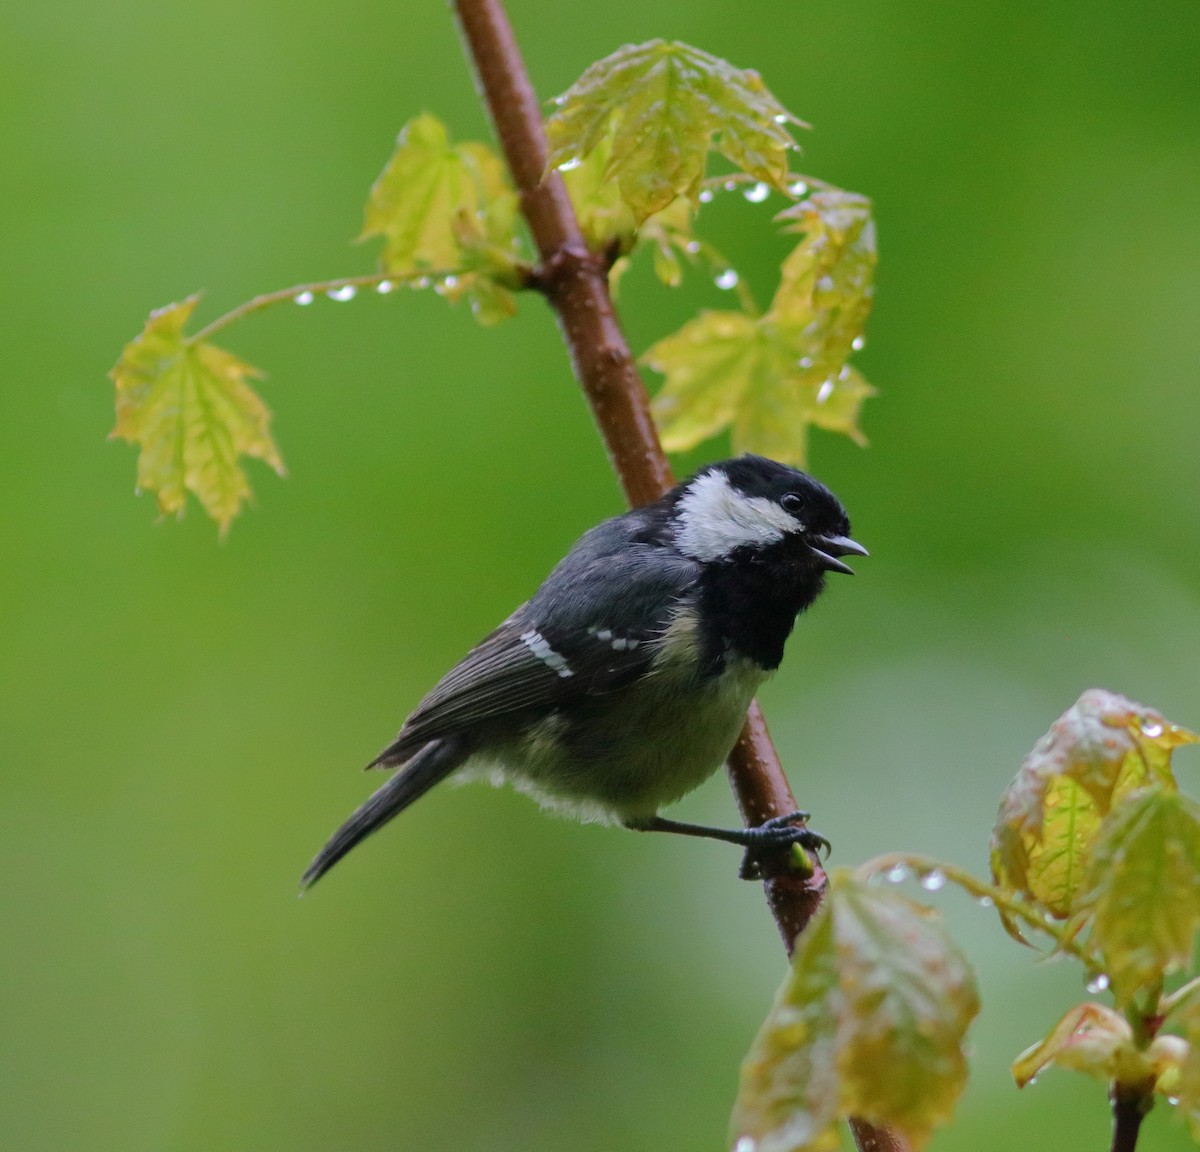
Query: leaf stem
[1062,934]
[314,289]
[1180,997]
[575,283]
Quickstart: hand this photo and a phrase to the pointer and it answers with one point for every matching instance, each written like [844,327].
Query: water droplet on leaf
[757,193]
[726,280]
[933,881]
[1152,729]
[825,391]
[304,298]
[570,165]
[384,287]
[705,196]
[345,292]
[1097,984]
[858,343]
[897,874]
[781,118]
[798,189]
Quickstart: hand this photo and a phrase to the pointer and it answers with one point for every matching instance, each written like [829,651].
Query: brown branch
[1130,1105]
[572,278]
[575,282]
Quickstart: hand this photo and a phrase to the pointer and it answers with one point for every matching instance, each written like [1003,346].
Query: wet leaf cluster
[632,140]
[1095,844]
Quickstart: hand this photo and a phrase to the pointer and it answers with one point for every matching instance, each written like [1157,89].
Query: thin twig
[1130,1105]
[1064,934]
[575,283]
[313,290]
[1182,995]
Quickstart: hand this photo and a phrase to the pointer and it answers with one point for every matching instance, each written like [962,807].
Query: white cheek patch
[540,647]
[714,519]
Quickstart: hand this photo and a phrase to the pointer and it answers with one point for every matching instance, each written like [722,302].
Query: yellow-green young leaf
[777,405]
[1143,890]
[441,206]
[1170,1056]
[774,376]
[729,368]
[839,402]
[1090,1038]
[190,410]
[1054,866]
[603,216]
[665,105]
[909,998]
[669,235]
[710,365]
[1098,750]
[606,221]
[872,1017]
[787,1097]
[490,302]
[827,282]
[1185,1085]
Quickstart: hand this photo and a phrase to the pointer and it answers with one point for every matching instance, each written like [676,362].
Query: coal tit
[624,682]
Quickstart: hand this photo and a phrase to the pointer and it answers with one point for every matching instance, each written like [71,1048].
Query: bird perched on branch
[623,683]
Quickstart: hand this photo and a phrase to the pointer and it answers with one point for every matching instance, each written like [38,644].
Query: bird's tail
[433,763]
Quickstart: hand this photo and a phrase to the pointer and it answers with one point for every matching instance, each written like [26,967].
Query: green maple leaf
[666,104]
[604,217]
[448,208]
[870,1022]
[788,1089]
[190,409]
[827,282]
[711,365]
[729,368]
[425,194]
[1144,890]
[608,224]
[772,377]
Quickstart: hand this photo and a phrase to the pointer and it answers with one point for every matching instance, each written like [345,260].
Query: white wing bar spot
[538,645]
[618,643]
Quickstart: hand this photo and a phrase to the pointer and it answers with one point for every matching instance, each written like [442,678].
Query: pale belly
[655,752]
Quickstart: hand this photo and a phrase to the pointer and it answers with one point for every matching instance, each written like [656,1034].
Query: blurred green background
[183,720]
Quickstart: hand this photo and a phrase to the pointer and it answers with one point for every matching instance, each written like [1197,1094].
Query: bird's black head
[754,510]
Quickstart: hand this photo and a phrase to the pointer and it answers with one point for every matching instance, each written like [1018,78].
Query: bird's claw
[770,852]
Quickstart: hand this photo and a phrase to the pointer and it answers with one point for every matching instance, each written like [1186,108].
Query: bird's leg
[773,836]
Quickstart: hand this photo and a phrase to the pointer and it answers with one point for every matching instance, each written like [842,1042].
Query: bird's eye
[792,502]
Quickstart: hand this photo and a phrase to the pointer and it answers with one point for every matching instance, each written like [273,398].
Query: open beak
[827,549]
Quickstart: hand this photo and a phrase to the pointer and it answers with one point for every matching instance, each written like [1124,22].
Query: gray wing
[574,650]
